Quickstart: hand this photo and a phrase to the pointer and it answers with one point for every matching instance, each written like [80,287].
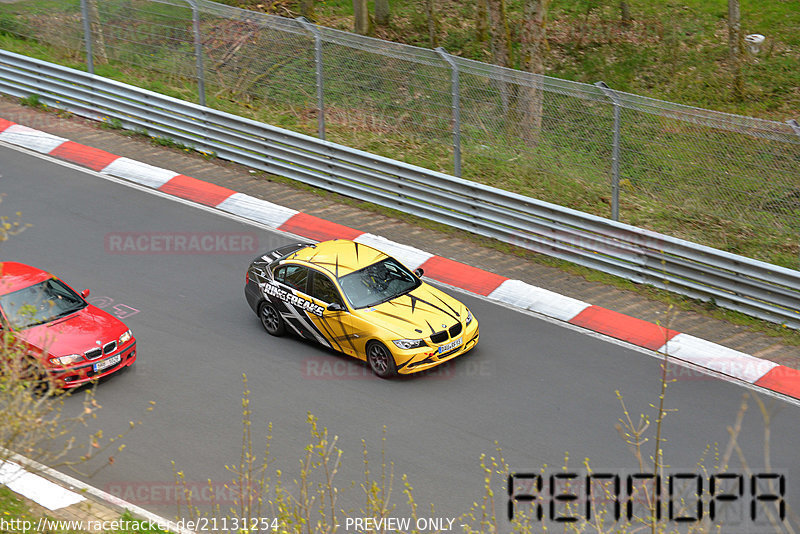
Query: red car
[75,341]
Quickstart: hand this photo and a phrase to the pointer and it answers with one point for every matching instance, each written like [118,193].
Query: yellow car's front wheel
[381,360]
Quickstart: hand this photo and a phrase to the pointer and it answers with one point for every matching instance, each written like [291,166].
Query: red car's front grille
[108,348]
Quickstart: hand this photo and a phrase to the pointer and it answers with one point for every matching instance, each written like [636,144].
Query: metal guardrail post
[312,28]
[615,153]
[198,52]
[87,36]
[796,129]
[456,109]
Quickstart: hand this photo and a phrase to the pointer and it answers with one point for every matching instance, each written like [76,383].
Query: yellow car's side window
[323,289]
[294,276]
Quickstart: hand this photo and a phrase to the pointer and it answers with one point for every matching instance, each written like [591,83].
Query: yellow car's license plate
[451,345]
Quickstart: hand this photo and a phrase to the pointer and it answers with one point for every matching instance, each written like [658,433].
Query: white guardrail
[735,282]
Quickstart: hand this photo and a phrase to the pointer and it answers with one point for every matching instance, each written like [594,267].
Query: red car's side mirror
[85,293]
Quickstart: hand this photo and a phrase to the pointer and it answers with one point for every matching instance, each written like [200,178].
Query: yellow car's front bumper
[421,359]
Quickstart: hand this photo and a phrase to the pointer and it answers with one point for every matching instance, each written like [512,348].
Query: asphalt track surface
[537,388]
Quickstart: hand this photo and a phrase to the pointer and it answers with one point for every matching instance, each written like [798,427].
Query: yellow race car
[359,301]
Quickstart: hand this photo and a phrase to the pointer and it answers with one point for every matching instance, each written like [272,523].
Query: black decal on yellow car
[291,298]
[452,313]
[393,316]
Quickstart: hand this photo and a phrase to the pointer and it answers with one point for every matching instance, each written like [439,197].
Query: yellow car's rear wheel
[381,360]
[271,319]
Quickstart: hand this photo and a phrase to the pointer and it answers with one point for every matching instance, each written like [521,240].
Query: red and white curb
[696,351]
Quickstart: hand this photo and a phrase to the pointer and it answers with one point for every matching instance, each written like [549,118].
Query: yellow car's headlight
[406,344]
[124,338]
[469,317]
[66,360]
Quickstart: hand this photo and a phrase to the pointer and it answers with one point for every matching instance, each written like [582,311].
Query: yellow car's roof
[339,256]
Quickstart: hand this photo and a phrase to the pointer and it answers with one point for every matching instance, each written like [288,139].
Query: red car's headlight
[124,338]
[67,360]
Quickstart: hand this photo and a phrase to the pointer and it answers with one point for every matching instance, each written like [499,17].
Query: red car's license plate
[105,364]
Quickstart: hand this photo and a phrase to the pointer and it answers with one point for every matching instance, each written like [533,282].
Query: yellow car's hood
[417,314]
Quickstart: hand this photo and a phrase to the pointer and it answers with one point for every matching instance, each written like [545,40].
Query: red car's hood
[76,333]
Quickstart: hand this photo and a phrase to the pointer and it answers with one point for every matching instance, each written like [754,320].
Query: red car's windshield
[40,303]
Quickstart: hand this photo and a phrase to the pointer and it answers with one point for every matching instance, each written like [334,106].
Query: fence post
[796,129]
[615,152]
[198,52]
[456,109]
[87,36]
[319,70]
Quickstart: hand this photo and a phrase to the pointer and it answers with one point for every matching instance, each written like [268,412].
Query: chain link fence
[722,180]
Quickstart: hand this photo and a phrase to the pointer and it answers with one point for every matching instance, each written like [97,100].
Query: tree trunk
[307,10]
[482,21]
[361,16]
[99,42]
[625,13]
[382,12]
[501,48]
[533,46]
[433,23]
[501,34]
[735,46]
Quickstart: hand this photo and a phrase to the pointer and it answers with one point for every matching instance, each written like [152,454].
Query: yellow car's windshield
[377,283]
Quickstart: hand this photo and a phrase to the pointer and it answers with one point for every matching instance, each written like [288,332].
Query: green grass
[12,505]
[672,51]
[16,511]
[33,101]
